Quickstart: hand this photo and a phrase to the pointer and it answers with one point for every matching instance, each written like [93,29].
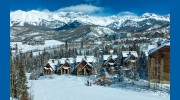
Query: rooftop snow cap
[126,53]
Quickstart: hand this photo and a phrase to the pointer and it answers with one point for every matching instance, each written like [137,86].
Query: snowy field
[65,87]
[25,47]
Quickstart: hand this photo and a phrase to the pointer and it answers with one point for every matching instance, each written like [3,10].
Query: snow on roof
[88,58]
[53,64]
[69,60]
[79,58]
[151,47]
[105,57]
[126,59]
[126,53]
[161,46]
[49,68]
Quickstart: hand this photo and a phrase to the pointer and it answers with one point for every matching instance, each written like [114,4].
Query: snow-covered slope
[100,31]
[27,48]
[66,87]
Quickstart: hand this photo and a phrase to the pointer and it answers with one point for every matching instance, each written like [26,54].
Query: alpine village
[137,60]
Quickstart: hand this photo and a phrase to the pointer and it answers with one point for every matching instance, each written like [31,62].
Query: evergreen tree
[11,75]
[22,80]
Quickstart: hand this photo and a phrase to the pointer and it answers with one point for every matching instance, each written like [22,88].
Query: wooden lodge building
[50,67]
[66,65]
[85,65]
[159,64]
[129,59]
[110,63]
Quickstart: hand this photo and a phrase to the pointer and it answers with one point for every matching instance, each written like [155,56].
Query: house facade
[49,69]
[110,64]
[129,59]
[159,64]
[66,65]
[85,65]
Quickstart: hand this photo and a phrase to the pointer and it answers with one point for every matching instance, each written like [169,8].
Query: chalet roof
[69,60]
[53,64]
[126,53]
[105,57]
[87,63]
[87,58]
[151,47]
[127,58]
[49,68]
[111,58]
[161,46]
[79,58]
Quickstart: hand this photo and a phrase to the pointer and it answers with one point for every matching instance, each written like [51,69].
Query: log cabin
[49,69]
[85,65]
[159,64]
[66,65]
[110,64]
[129,59]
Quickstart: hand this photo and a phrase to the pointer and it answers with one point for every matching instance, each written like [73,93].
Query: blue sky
[96,7]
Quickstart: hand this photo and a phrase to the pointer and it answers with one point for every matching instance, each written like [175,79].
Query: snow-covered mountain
[60,19]
[72,25]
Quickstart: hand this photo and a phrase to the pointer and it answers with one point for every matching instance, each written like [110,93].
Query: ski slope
[73,88]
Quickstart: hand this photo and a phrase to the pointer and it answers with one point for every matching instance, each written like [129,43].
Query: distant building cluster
[158,64]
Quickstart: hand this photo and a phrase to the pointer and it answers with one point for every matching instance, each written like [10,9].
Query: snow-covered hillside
[66,87]
[58,19]
[26,47]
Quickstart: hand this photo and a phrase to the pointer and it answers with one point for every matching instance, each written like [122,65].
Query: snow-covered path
[73,88]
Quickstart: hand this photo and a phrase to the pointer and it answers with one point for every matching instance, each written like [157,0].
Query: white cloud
[127,13]
[82,8]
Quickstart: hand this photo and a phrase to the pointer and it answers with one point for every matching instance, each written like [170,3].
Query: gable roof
[87,58]
[87,63]
[151,47]
[110,59]
[64,60]
[126,53]
[52,64]
[161,46]
[106,57]
[127,58]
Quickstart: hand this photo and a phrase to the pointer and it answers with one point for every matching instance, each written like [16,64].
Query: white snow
[36,17]
[66,87]
[69,60]
[155,49]
[26,47]
[125,53]
[79,58]
[105,57]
